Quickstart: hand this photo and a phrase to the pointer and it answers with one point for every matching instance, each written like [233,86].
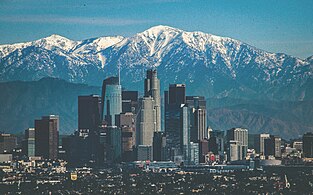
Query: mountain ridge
[228,67]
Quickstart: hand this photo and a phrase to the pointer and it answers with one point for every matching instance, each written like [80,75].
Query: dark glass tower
[308,145]
[47,137]
[174,98]
[89,112]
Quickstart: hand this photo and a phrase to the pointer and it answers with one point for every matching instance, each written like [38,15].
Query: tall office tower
[7,143]
[127,122]
[194,153]
[146,121]
[260,142]
[307,145]
[185,134]
[29,142]
[111,99]
[47,137]
[240,135]
[200,124]
[174,99]
[89,119]
[235,149]
[216,142]
[89,112]
[114,147]
[159,146]
[203,150]
[254,141]
[144,152]
[152,88]
[129,101]
[272,146]
[196,101]
[199,119]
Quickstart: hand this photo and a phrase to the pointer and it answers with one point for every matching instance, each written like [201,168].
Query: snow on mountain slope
[221,66]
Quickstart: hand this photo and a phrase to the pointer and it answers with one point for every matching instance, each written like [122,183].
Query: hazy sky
[284,26]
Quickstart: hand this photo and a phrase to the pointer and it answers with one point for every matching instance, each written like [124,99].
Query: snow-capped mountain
[210,65]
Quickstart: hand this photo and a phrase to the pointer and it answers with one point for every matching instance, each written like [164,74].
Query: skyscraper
[199,118]
[146,121]
[89,112]
[7,143]
[114,144]
[89,119]
[234,151]
[159,146]
[174,99]
[240,135]
[129,101]
[261,142]
[152,88]
[185,134]
[149,110]
[47,136]
[111,99]
[29,142]
[272,146]
[127,123]
[308,145]
[216,142]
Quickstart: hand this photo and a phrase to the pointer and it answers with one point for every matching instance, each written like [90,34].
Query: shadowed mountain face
[289,119]
[246,86]
[23,102]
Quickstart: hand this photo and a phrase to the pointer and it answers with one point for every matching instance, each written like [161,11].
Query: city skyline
[156,97]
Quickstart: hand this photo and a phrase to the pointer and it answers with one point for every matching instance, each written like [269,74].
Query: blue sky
[284,26]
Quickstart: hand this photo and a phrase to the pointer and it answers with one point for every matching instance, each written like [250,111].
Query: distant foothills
[244,86]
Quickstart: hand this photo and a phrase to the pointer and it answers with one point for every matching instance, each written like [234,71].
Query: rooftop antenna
[119,74]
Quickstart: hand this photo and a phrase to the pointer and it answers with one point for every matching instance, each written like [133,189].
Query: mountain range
[210,65]
[219,68]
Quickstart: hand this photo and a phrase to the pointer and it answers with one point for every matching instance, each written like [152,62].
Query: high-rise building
[127,123]
[198,124]
[89,112]
[262,138]
[114,144]
[308,145]
[240,135]
[159,146]
[149,110]
[216,142]
[272,146]
[185,134]
[235,149]
[200,127]
[89,120]
[129,101]
[111,99]
[144,152]
[47,137]
[194,153]
[7,143]
[152,89]
[175,99]
[29,142]
[203,150]
[146,121]
[177,94]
